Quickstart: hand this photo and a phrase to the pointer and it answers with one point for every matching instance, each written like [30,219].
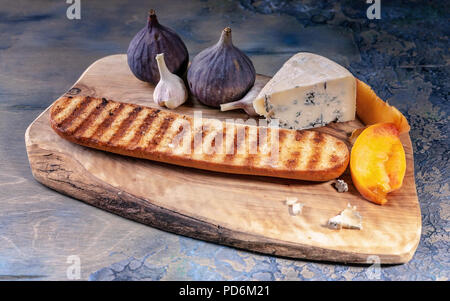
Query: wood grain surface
[246,212]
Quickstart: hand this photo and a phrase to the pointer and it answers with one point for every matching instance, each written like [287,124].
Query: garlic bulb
[170,90]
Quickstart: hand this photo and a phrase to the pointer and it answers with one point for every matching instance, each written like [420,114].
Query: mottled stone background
[404,56]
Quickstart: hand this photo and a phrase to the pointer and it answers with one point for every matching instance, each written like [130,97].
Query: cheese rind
[308,91]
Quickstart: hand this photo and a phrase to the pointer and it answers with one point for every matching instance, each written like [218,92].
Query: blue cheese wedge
[308,91]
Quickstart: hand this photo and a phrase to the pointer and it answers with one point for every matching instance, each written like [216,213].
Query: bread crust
[304,155]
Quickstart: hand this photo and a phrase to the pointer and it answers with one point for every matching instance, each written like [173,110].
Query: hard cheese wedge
[308,91]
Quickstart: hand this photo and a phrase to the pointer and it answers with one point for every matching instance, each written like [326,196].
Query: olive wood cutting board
[246,212]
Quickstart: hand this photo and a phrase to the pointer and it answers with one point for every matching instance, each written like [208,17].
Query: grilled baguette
[165,136]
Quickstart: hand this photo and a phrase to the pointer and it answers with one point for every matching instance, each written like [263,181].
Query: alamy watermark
[374,10]
[73,12]
[373,272]
[73,271]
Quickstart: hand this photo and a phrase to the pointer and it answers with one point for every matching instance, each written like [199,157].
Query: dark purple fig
[150,41]
[221,73]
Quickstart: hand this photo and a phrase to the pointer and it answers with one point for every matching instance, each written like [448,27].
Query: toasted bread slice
[210,144]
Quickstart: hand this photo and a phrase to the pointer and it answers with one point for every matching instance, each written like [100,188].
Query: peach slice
[371,109]
[377,162]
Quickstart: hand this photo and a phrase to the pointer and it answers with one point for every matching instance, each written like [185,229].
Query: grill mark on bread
[205,130]
[209,142]
[194,132]
[184,131]
[89,132]
[89,120]
[281,137]
[176,141]
[299,135]
[133,127]
[230,144]
[56,110]
[257,138]
[252,149]
[98,133]
[143,128]
[64,108]
[248,157]
[334,158]
[159,135]
[151,132]
[293,160]
[67,122]
[269,146]
[240,146]
[115,125]
[197,139]
[235,139]
[179,130]
[124,125]
[316,152]
[198,144]
[257,157]
[318,138]
[216,144]
[82,116]
[291,163]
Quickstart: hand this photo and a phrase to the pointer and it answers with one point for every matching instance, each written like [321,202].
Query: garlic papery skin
[170,90]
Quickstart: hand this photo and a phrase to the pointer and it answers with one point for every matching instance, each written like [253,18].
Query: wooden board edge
[95,63]
[410,165]
[87,188]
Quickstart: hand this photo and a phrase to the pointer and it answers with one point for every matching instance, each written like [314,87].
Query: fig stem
[225,37]
[152,19]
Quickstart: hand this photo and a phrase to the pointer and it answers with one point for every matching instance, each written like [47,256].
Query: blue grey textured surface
[404,56]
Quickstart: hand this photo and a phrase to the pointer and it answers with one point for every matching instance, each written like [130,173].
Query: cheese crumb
[349,218]
[340,185]
[296,208]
